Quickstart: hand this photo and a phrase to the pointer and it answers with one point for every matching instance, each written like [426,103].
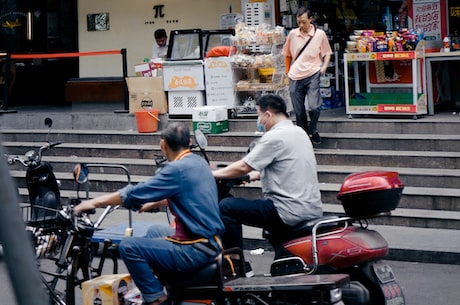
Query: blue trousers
[145,255]
[257,213]
[301,92]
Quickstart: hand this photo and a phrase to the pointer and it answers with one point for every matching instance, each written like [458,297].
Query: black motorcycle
[42,185]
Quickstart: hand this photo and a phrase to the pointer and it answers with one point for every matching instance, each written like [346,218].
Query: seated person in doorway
[160,48]
[284,161]
[187,186]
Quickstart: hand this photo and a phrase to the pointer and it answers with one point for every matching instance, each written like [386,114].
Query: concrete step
[345,157]
[364,141]
[399,142]
[331,121]
[420,177]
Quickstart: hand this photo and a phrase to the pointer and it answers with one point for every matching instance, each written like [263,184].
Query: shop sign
[395,55]
[395,108]
[427,17]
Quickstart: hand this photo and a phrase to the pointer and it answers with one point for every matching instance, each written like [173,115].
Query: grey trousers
[306,100]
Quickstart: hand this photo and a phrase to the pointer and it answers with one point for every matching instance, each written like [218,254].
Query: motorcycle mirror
[80,173]
[48,122]
[200,139]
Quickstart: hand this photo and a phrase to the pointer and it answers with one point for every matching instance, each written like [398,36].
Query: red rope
[62,55]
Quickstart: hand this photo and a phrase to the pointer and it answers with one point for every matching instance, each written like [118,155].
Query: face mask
[260,126]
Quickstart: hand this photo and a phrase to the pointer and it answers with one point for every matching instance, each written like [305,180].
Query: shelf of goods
[258,70]
[394,83]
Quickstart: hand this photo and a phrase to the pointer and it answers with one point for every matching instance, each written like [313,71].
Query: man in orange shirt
[307,53]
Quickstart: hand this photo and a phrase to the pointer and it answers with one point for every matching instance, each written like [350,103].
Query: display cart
[383,94]
[183,69]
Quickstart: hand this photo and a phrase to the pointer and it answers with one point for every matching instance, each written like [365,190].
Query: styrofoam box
[210,114]
[183,102]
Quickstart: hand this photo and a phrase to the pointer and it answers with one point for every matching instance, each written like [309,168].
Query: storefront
[339,18]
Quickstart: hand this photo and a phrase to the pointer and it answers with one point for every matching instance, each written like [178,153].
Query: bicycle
[64,240]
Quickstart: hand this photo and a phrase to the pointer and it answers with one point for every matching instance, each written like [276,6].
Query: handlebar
[81,223]
[30,158]
[224,186]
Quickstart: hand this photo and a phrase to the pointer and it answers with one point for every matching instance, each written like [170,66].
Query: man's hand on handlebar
[254,175]
[84,206]
[153,206]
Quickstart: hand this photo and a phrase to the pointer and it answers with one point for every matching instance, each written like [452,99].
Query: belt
[201,244]
[207,247]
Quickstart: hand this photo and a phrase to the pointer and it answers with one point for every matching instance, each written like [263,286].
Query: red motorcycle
[345,245]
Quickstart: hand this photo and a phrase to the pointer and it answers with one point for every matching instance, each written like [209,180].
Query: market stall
[394,75]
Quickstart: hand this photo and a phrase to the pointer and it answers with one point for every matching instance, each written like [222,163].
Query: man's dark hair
[304,10]
[272,102]
[177,136]
[160,33]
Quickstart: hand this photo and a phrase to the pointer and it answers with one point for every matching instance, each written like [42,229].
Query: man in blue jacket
[187,185]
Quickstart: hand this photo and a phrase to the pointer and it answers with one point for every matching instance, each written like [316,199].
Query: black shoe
[248,269]
[315,138]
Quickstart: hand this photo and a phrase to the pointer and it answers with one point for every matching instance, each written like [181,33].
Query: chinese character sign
[427,16]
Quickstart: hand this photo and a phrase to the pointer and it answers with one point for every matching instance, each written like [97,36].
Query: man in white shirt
[160,47]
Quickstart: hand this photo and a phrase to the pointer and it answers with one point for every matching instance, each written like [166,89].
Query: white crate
[183,102]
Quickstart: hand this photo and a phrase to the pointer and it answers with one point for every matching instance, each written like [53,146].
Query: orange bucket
[147,120]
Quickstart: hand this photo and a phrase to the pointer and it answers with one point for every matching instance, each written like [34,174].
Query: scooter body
[345,245]
[42,185]
[43,190]
[343,249]
[353,250]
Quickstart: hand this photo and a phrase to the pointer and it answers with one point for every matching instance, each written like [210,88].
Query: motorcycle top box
[369,193]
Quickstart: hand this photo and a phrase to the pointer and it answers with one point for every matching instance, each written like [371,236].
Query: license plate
[390,288]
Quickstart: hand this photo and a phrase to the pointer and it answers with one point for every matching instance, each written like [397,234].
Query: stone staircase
[425,152]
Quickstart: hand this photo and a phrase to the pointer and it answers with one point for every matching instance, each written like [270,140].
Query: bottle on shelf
[446,43]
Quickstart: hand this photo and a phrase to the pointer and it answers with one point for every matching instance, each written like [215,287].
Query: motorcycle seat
[213,274]
[207,275]
[303,228]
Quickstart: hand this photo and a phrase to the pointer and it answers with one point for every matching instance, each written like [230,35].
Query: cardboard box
[107,289]
[210,119]
[144,69]
[146,93]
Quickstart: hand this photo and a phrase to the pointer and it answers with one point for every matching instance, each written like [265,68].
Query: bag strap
[305,45]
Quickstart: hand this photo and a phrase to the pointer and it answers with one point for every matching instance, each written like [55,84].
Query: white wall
[132,24]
